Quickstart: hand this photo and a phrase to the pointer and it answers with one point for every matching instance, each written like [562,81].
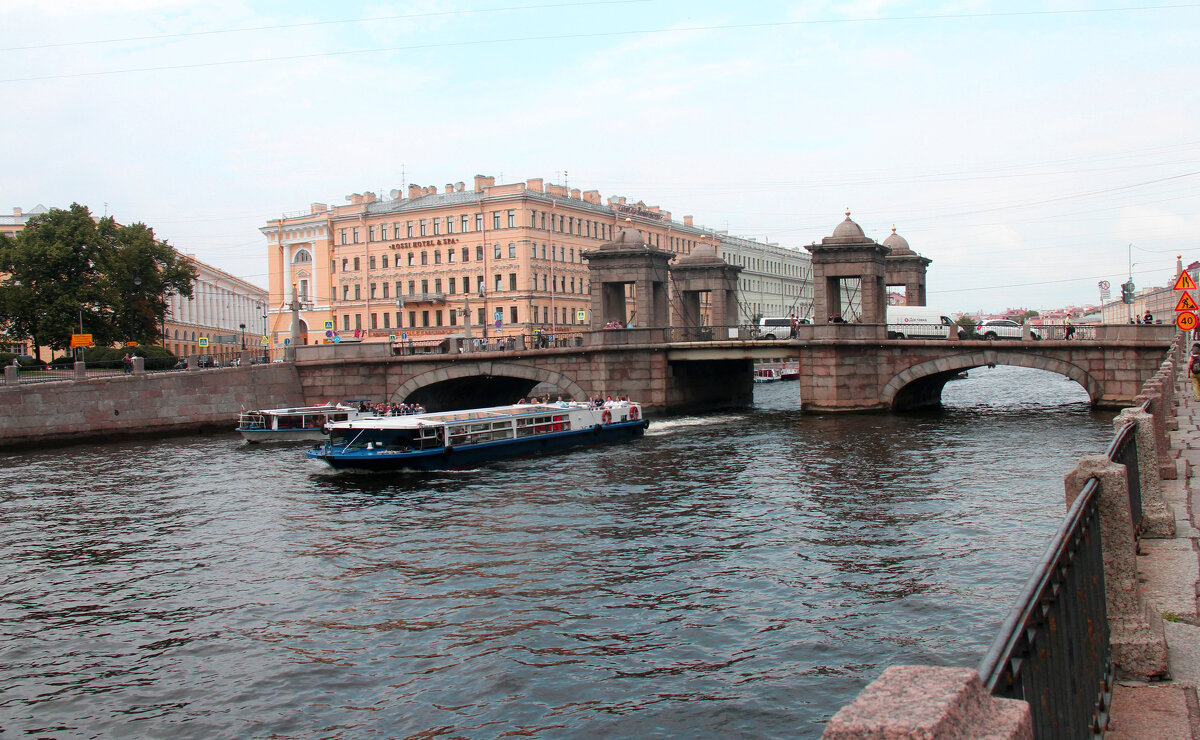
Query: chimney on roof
[17,212]
[575,193]
[483,181]
[414,191]
[534,184]
[591,196]
[354,198]
[368,197]
[317,208]
[449,188]
[687,220]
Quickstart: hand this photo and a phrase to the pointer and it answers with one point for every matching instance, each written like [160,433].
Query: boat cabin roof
[413,421]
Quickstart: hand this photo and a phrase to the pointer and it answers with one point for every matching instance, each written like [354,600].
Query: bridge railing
[1055,652]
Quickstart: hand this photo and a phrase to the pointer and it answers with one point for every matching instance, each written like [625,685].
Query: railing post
[927,702]
[139,366]
[1158,522]
[1152,392]
[80,371]
[12,375]
[1139,647]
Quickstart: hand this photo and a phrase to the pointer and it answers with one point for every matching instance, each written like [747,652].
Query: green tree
[66,273]
[967,322]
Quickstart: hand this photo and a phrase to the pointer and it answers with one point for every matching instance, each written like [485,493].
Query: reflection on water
[736,575]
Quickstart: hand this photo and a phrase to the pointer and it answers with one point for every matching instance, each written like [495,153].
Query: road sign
[404,335]
[1186,321]
[498,315]
[81,340]
[203,341]
[328,327]
[337,340]
[1186,302]
[265,340]
[581,315]
[1185,282]
[287,341]
[1105,285]
[499,324]
[328,332]
[391,338]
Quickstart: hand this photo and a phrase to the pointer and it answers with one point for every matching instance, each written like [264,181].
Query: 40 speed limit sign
[1186,321]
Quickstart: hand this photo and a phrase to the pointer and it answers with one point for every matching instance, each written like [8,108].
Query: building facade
[494,260]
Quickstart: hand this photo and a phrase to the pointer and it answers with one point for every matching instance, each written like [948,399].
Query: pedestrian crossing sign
[1184,282]
[1186,302]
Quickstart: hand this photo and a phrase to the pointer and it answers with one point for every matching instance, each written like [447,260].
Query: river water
[742,574]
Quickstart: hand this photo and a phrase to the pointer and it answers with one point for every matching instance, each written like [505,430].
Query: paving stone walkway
[1170,575]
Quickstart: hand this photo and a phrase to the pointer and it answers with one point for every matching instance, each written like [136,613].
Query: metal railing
[1053,648]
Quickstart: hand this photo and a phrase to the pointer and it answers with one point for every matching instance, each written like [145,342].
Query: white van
[777,327]
[920,322]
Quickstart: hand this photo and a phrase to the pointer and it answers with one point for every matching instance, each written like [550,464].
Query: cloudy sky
[1030,150]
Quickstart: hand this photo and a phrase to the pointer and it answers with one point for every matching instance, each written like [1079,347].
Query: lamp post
[137,283]
[483,297]
[242,327]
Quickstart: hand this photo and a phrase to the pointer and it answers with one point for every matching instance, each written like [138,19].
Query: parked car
[1003,329]
[777,327]
[206,361]
[920,322]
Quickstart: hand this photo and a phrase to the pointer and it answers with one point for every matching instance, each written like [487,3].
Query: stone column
[80,370]
[1153,392]
[924,702]
[139,366]
[1139,647]
[12,375]
[1158,522]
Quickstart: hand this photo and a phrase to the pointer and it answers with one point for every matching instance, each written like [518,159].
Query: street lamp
[137,283]
[243,328]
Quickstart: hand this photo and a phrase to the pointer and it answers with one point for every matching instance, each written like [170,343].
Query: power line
[598,35]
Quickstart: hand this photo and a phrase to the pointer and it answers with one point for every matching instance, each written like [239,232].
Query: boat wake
[662,427]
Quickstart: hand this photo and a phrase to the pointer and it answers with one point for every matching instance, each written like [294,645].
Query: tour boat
[458,439]
[767,375]
[291,424]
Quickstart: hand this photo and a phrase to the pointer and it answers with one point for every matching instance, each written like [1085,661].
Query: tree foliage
[65,272]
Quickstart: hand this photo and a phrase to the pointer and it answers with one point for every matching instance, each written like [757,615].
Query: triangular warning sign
[1186,302]
[1184,282]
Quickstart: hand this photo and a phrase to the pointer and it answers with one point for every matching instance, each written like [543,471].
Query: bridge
[843,368]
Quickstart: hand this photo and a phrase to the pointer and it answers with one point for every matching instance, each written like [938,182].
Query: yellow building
[506,259]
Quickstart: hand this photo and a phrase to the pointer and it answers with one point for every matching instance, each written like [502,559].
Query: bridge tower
[629,261]
[906,267]
[703,271]
[847,255]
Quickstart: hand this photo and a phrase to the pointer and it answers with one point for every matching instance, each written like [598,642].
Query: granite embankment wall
[153,404]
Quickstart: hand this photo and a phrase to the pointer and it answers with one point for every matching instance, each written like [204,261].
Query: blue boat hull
[470,456]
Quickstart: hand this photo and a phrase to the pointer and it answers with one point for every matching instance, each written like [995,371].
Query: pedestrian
[1149,318]
[1194,370]
[1070,328]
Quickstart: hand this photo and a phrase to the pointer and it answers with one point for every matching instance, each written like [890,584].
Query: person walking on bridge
[1194,370]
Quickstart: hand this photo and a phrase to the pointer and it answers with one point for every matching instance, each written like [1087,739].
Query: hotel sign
[639,211]
[444,241]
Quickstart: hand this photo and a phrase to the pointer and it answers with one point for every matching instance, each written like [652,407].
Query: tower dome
[898,244]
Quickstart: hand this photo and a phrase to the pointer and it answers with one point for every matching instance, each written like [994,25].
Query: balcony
[424,298]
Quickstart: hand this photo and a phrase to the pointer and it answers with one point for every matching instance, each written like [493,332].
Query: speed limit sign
[1186,321]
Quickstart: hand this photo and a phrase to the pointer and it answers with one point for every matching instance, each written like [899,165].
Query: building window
[479,222]
[466,284]
[384,259]
[453,283]
[437,285]
[357,292]
[346,322]
[398,324]
[450,256]
[437,318]
[512,250]
[479,253]
[543,220]
[424,286]
[398,293]
[422,227]
[498,282]
[424,258]
[496,251]
[572,255]
[512,314]
[453,317]
[356,264]
[543,251]
[374,321]
[343,236]
[383,232]
[356,235]
[479,317]
[437,257]
[410,259]
[512,219]
[345,292]
[412,287]
[386,286]
[437,226]
[533,251]
[345,264]
[424,318]
[466,255]
[512,281]
[371,262]
[495,219]
[408,229]
[302,257]
[466,224]
[449,224]
[372,291]
[357,322]
[412,318]
[370,233]
[387,321]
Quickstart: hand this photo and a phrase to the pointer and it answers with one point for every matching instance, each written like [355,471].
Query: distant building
[222,306]
[504,259]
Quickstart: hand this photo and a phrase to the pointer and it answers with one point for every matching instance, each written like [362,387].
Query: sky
[1031,150]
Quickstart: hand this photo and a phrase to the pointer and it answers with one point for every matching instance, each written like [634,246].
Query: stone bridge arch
[921,384]
[469,370]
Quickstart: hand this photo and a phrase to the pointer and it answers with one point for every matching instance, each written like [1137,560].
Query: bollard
[925,702]
[12,375]
[1139,646]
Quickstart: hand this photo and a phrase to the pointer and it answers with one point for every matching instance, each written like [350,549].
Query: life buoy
[633,412]
[606,417]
